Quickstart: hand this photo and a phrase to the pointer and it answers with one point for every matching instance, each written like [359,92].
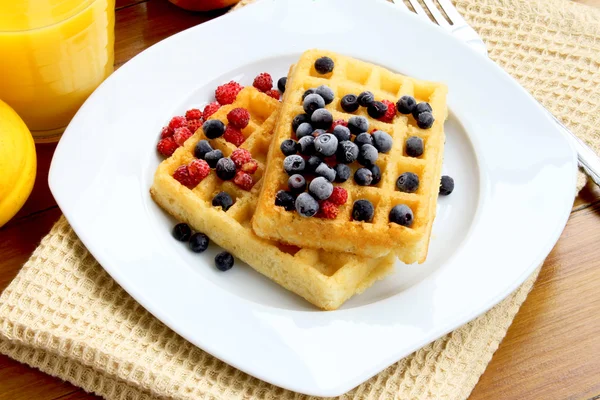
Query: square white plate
[514,175]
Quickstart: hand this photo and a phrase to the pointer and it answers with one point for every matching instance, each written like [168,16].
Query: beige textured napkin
[64,315]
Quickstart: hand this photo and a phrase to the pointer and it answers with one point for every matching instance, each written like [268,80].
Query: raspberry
[390,113]
[238,118]
[181,135]
[263,82]
[233,136]
[250,167]
[226,94]
[182,175]
[331,161]
[338,122]
[243,180]
[198,170]
[166,146]
[241,157]
[177,122]
[210,109]
[193,113]
[166,132]
[194,124]
[274,93]
[339,196]
[327,210]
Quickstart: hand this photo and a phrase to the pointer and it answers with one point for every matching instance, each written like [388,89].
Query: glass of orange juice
[53,54]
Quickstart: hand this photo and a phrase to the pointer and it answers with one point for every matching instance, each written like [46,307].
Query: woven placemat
[64,314]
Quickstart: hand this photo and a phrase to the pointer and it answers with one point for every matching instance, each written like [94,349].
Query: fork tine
[418,9]
[453,15]
[436,14]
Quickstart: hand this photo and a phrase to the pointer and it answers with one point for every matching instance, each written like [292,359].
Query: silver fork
[455,24]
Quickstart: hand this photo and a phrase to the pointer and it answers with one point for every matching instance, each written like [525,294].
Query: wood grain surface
[551,350]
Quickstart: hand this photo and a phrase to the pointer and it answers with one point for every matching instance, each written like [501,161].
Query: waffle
[380,237]
[325,279]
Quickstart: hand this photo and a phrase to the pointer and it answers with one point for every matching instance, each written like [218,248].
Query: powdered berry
[339,196]
[338,122]
[274,93]
[182,175]
[210,109]
[193,113]
[250,167]
[167,146]
[194,124]
[263,82]
[233,136]
[198,170]
[327,210]
[390,113]
[166,132]
[181,135]
[238,118]
[241,157]
[177,122]
[226,94]
[243,180]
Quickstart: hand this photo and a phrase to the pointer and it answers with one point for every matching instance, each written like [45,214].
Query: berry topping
[210,109]
[312,163]
[342,173]
[318,132]
[305,129]
[347,152]
[325,171]
[425,120]
[202,147]
[226,94]
[213,128]
[181,135]
[406,104]
[194,124]
[326,93]
[414,146]
[358,125]
[234,136]
[250,167]
[225,169]
[376,109]
[212,157]
[241,157]
[382,141]
[339,196]
[297,184]
[342,133]
[198,242]
[446,185]
[306,145]
[365,98]
[243,180]
[289,147]
[263,82]
[313,102]
[321,119]
[408,182]
[306,205]
[182,175]
[223,200]
[376,172]
[307,92]
[401,215]
[326,144]
[294,164]
[238,118]
[363,210]
[420,108]
[177,122]
[281,84]
[349,103]
[286,200]
[165,132]
[320,188]
[193,113]
[324,65]
[167,146]
[299,119]
[182,232]
[198,170]
[363,177]
[367,155]
[327,210]
[224,261]
[363,138]
[274,93]
[390,113]
[338,122]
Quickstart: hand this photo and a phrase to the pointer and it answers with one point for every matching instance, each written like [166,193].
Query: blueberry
[182,232]
[446,185]
[358,124]
[225,169]
[363,210]
[318,132]
[326,93]
[281,84]
[376,109]
[321,118]
[408,182]
[202,147]
[382,141]
[341,133]
[306,205]
[365,98]
[223,200]
[324,65]
[425,120]
[349,103]
[347,152]
[307,145]
[326,144]
[297,184]
[286,200]
[367,155]
[421,107]
[305,129]
[224,261]
[307,92]
[299,119]
[401,215]
[212,157]
[198,242]
[313,102]
[312,163]
[376,172]
[342,173]
[289,147]
[320,188]
[213,128]
[363,177]
[363,138]
[406,104]
[414,146]
[293,164]
[326,172]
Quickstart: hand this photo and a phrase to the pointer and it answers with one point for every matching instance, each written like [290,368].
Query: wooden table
[551,351]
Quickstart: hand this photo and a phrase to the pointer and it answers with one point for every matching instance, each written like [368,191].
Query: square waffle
[326,279]
[342,234]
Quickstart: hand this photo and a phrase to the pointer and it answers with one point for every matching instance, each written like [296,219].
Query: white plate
[514,174]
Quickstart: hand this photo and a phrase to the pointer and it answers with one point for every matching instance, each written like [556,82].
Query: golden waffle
[323,278]
[351,76]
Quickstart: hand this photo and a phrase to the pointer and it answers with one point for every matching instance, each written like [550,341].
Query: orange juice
[53,54]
